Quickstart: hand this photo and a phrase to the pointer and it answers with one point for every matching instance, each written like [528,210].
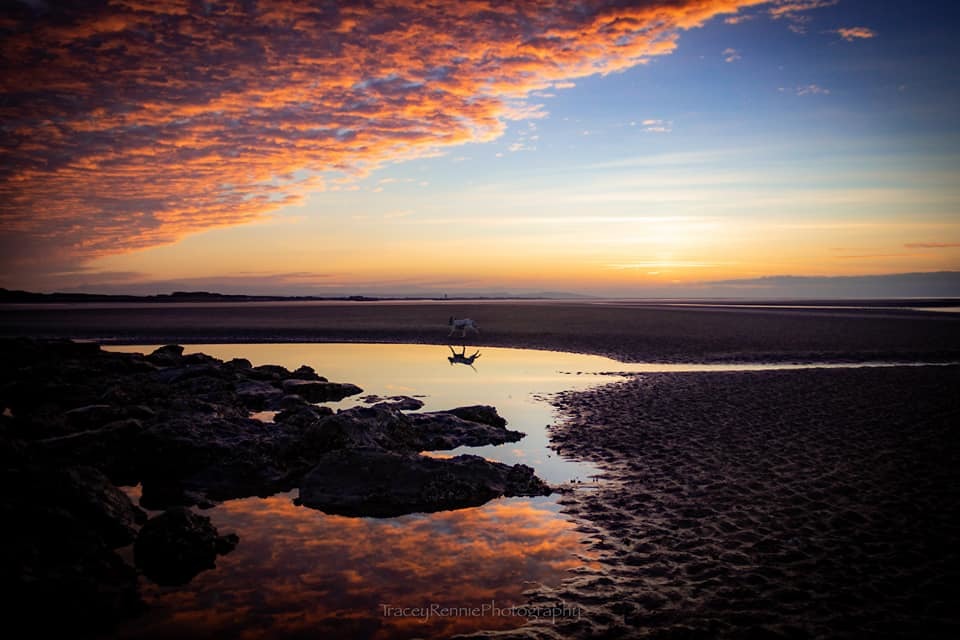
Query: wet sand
[797,504]
[625,331]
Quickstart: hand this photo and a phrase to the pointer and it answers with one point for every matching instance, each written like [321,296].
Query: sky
[658,148]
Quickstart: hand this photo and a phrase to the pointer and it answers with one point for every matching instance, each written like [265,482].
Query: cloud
[932,245]
[731,55]
[806,90]
[657,126]
[793,12]
[933,284]
[128,124]
[855,33]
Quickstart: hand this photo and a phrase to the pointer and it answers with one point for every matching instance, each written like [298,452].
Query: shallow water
[298,572]
[512,380]
[515,381]
[301,573]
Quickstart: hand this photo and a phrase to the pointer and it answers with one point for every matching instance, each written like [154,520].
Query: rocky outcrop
[175,546]
[404,403]
[378,483]
[77,422]
[60,527]
[482,413]
[443,430]
[320,390]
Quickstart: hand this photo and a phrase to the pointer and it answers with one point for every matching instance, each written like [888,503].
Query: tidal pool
[515,381]
[298,572]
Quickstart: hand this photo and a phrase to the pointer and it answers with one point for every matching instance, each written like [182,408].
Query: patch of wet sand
[630,332]
[779,504]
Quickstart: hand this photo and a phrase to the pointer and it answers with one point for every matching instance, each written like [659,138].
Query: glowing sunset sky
[654,147]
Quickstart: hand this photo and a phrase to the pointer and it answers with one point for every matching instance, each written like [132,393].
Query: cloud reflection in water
[298,572]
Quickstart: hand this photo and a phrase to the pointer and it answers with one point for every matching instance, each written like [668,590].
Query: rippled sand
[820,503]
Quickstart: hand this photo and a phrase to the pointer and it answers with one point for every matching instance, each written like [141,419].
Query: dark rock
[73,349]
[111,449]
[383,426]
[13,450]
[202,359]
[484,414]
[100,508]
[183,445]
[178,544]
[164,492]
[269,372]
[288,402]
[181,460]
[377,483]
[373,427]
[209,375]
[92,416]
[302,416]
[256,394]
[320,391]
[60,576]
[139,412]
[303,372]
[442,430]
[167,355]
[90,496]
[227,543]
[239,363]
[404,403]
[240,476]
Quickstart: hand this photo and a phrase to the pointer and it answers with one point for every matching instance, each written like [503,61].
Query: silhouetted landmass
[8,296]
[27,297]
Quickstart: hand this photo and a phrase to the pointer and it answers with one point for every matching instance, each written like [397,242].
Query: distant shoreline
[11,297]
[629,331]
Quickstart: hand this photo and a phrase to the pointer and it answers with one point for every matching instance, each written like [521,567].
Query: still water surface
[299,573]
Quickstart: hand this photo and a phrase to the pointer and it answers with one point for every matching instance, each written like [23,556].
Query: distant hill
[29,297]
[22,297]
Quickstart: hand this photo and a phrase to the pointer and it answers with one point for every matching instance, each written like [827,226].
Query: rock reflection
[301,573]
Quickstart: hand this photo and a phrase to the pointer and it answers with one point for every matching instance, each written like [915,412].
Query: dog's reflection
[462,357]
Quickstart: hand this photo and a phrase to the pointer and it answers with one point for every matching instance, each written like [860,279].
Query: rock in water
[373,482]
[482,413]
[178,544]
[444,430]
[320,391]
[166,355]
[90,496]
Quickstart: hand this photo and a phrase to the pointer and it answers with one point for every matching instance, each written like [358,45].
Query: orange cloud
[130,124]
[856,33]
[932,245]
[793,12]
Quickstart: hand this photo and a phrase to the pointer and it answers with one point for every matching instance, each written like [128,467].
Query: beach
[764,504]
[627,331]
[818,503]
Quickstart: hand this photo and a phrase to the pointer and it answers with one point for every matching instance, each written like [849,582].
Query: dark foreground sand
[795,504]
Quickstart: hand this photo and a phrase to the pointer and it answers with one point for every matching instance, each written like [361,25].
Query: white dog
[462,325]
